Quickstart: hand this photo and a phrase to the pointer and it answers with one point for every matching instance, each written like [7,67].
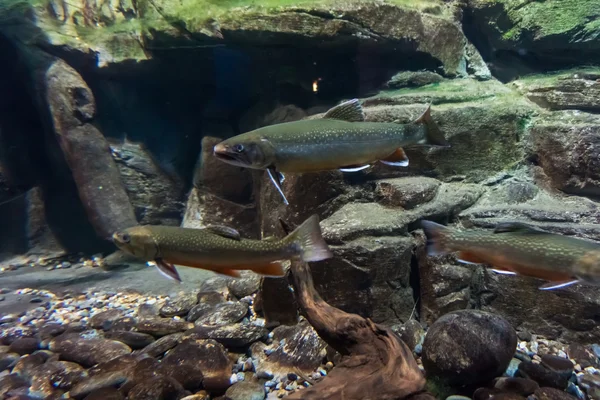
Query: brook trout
[221,249]
[519,249]
[341,139]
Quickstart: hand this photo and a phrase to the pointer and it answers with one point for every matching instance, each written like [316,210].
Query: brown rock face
[72,108]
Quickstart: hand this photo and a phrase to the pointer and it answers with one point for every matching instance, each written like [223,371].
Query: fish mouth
[224,153]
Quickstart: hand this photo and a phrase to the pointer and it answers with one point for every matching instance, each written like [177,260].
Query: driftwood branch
[376,364]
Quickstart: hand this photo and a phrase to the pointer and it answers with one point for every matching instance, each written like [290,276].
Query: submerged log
[376,364]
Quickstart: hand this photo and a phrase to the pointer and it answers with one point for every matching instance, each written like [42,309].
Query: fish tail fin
[436,237]
[432,131]
[308,238]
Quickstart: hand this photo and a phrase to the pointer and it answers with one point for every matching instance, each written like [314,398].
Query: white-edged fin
[281,177]
[167,270]
[557,285]
[350,111]
[277,185]
[503,272]
[395,163]
[355,169]
[460,260]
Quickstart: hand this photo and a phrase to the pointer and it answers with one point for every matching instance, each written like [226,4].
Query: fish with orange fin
[221,249]
[516,248]
[341,139]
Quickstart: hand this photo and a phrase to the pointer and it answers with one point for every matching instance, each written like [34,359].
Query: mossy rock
[548,25]
[116,30]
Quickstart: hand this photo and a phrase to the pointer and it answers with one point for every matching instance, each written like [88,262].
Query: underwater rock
[87,351]
[223,194]
[162,326]
[246,391]
[406,192]
[97,382]
[156,195]
[182,364]
[376,270]
[162,345]
[296,346]
[24,346]
[548,393]
[198,311]
[156,388]
[552,372]
[142,371]
[547,30]
[277,302]
[179,305]
[584,355]
[413,79]
[10,382]
[576,89]
[468,347]
[234,336]
[135,340]
[211,358]
[105,319]
[567,146]
[224,314]
[248,284]
[71,108]
[521,386]
[67,375]
[412,334]
[7,359]
[105,394]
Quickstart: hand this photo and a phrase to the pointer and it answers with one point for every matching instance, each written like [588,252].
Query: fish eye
[125,238]
[238,148]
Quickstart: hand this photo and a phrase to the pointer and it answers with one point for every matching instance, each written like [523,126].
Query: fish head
[246,151]
[137,241]
[587,268]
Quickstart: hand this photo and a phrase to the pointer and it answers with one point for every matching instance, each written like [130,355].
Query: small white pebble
[562,354]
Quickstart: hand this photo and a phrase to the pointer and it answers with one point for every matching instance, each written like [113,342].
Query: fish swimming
[221,249]
[341,139]
[516,248]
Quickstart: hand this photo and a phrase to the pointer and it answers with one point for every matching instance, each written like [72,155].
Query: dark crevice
[415,284]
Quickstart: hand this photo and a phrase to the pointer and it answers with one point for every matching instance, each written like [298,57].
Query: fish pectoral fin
[354,168]
[504,227]
[272,173]
[558,284]
[224,231]
[350,111]
[272,269]
[167,269]
[468,258]
[397,159]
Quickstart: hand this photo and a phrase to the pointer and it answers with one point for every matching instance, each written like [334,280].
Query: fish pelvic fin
[308,238]
[350,111]
[270,270]
[397,159]
[436,237]
[167,269]
[432,131]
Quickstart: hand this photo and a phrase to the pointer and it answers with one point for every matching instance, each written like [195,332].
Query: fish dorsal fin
[520,227]
[224,231]
[350,111]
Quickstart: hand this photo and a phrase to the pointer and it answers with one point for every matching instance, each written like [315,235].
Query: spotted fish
[341,139]
[221,249]
[516,248]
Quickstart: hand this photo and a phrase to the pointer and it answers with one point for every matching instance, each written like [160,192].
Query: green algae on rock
[540,26]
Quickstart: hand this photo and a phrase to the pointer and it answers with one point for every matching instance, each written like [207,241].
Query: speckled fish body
[341,139]
[221,249]
[517,248]
[326,144]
